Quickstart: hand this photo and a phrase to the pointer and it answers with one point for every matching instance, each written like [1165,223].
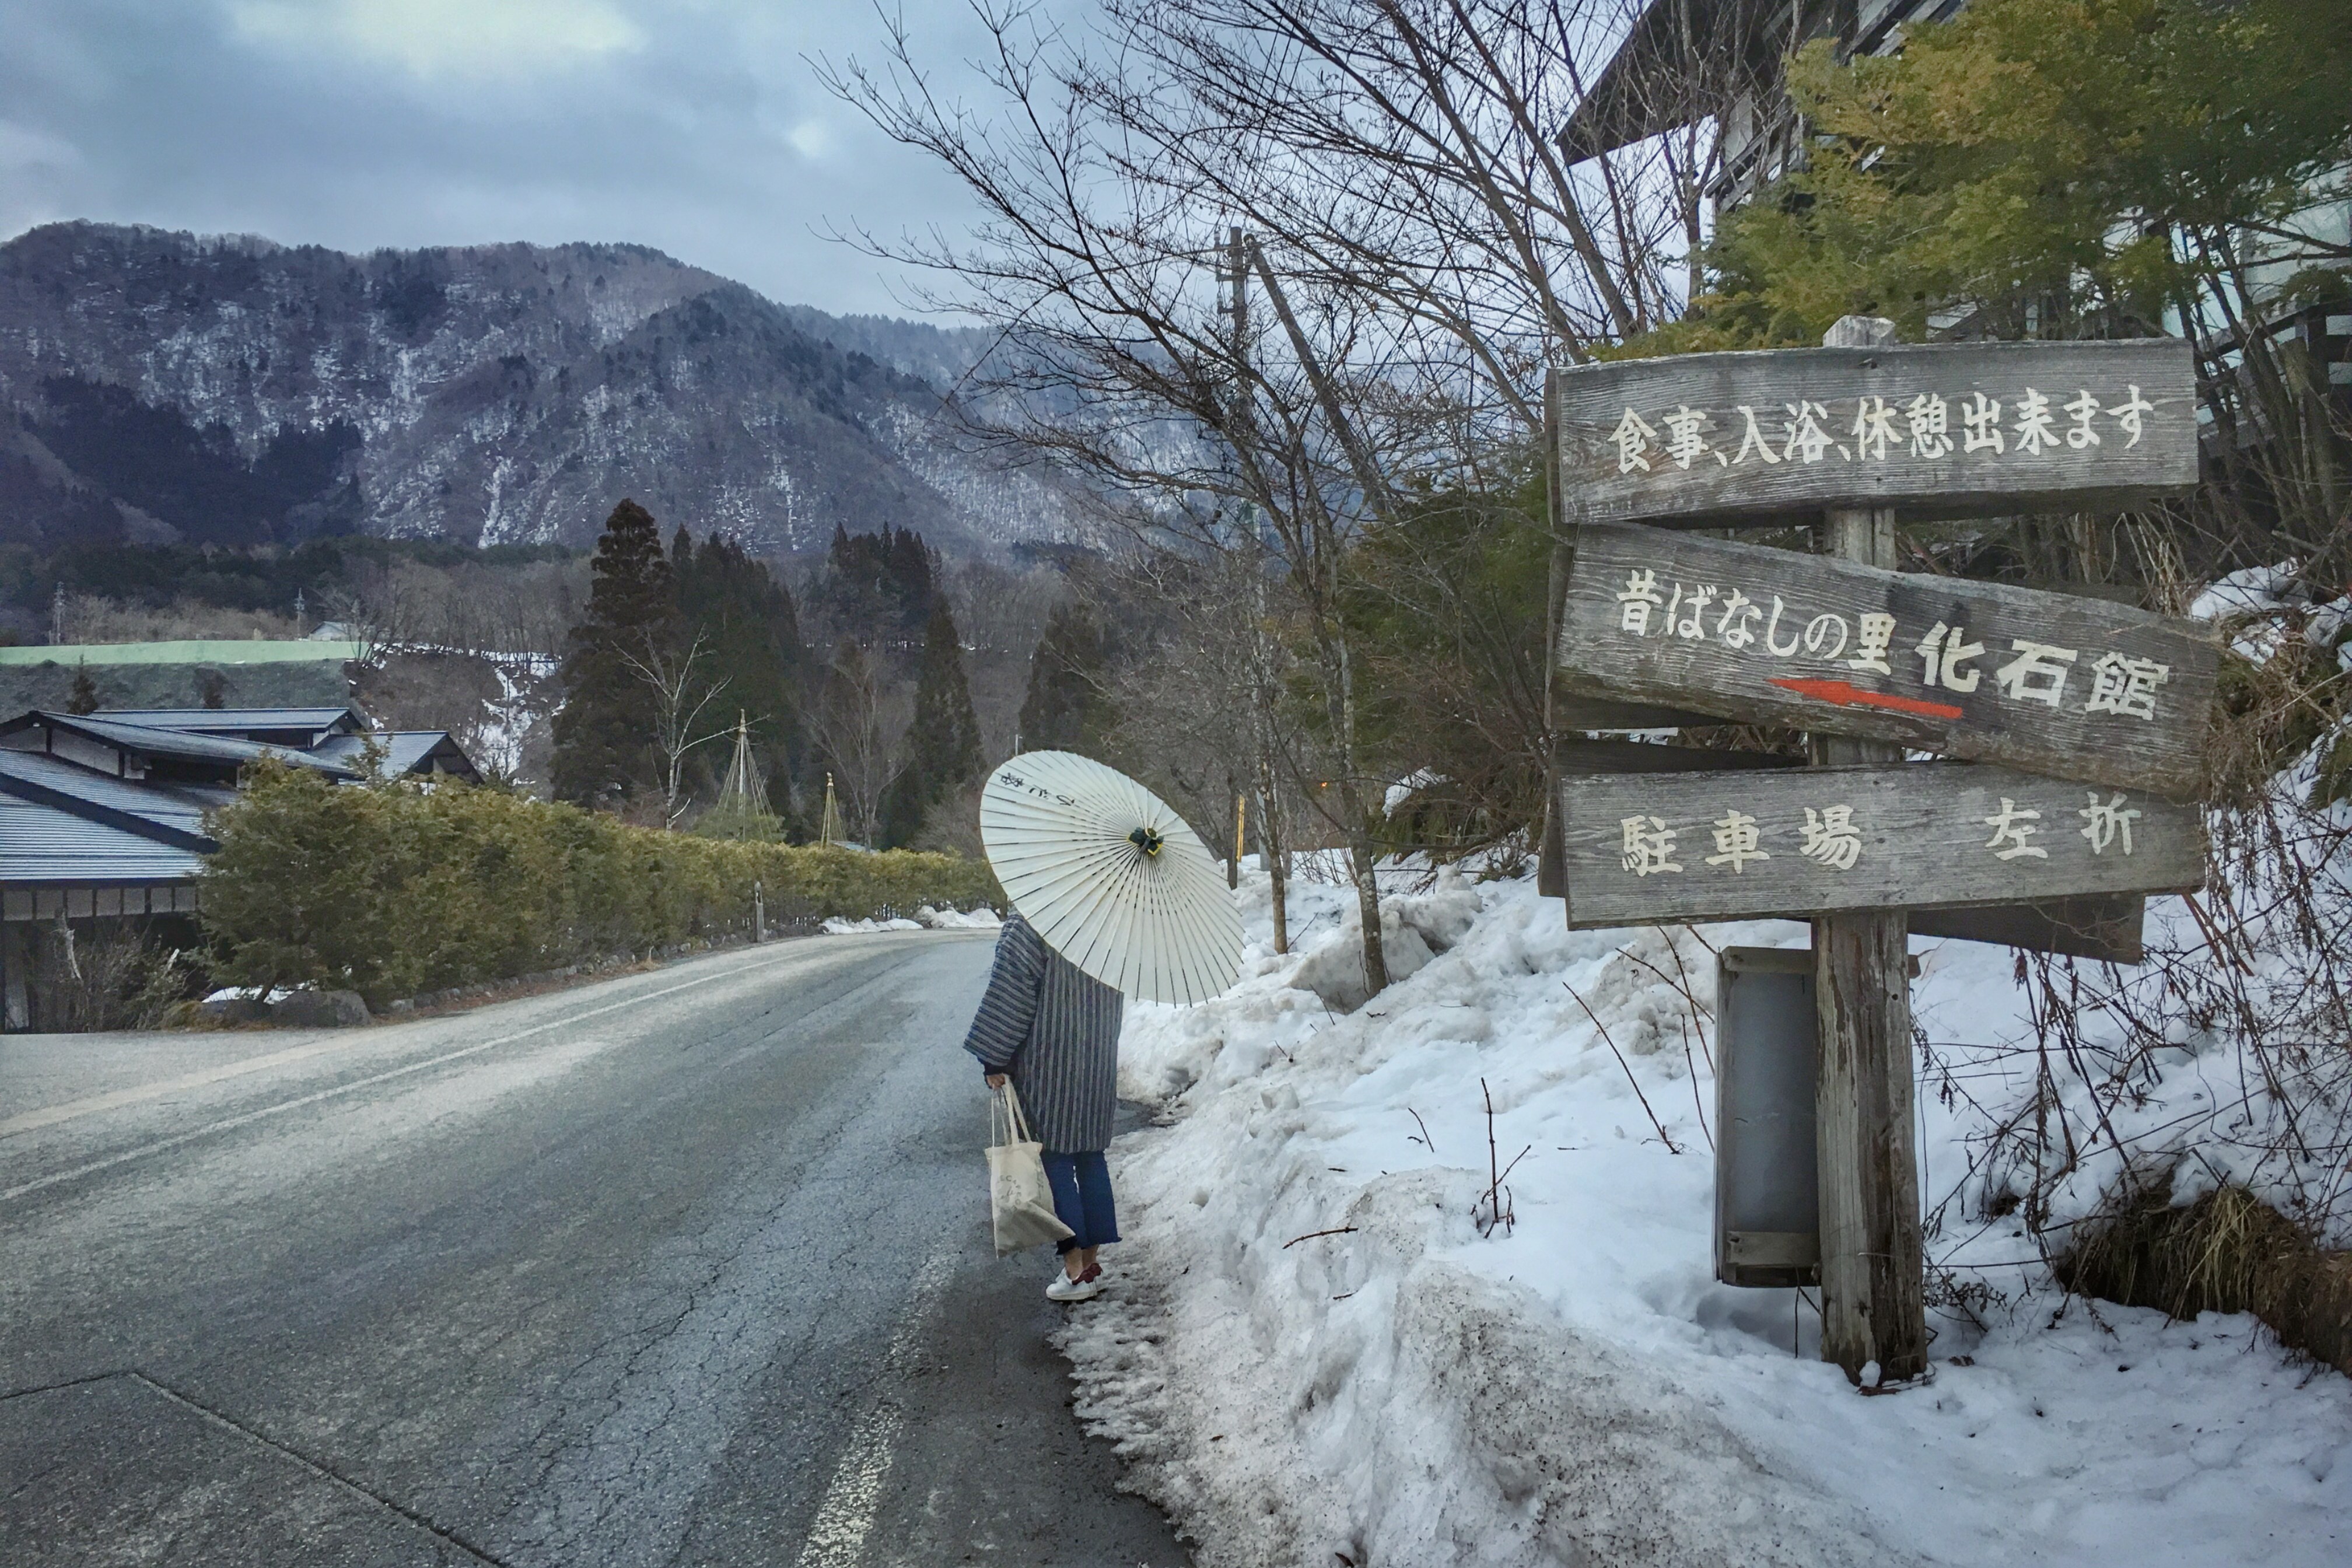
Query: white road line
[227,1123]
[836,1538]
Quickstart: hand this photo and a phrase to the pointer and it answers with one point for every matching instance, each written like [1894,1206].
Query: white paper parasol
[1110,876]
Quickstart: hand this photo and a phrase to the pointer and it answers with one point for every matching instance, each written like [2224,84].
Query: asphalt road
[688,1267]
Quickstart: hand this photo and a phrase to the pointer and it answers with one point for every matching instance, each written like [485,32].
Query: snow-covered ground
[1575,1388]
[925,918]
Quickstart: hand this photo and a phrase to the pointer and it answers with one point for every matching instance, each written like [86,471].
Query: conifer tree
[603,733]
[943,742]
[83,698]
[751,627]
[880,585]
[1064,711]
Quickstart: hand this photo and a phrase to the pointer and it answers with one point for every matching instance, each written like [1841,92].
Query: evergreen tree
[604,732]
[1064,711]
[912,578]
[751,629]
[943,742]
[83,698]
[880,585]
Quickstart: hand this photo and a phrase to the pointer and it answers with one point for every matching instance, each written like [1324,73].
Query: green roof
[223,651]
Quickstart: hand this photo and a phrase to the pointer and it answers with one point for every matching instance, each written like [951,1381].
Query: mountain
[166,386]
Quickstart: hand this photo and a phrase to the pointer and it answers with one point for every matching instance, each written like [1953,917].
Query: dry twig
[1342,1230]
[1672,1147]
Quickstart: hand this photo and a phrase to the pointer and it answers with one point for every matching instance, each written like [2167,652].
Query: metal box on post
[1766,1204]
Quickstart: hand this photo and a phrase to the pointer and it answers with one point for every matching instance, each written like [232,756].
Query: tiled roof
[236,722]
[181,744]
[176,809]
[403,749]
[45,843]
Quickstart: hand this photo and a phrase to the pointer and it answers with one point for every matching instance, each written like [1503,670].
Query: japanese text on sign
[1830,837]
[1944,429]
[2059,684]
[1664,847]
[2027,671]
[2028,425]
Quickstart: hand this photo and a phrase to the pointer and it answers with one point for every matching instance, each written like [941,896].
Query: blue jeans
[1081,1184]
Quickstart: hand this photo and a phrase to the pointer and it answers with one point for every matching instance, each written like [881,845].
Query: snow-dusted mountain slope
[238,391]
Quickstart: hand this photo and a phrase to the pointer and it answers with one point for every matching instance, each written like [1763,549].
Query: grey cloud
[160,112]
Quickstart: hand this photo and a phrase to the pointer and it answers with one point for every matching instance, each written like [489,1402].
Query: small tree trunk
[1277,857]
[1364,860]
[1355,824]
[1233,860]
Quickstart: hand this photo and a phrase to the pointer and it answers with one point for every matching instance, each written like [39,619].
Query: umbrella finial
[1143,838]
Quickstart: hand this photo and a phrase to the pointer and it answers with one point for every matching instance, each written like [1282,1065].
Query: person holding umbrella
[1113,896]
[1052,1030]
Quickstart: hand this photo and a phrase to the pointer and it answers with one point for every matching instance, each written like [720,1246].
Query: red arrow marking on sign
[1845,694]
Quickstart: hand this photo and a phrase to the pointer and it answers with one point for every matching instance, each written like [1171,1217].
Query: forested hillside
[168,387]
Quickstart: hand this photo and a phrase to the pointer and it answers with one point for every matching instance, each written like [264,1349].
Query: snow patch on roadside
[982,918]
[925,918]
[1403,1390]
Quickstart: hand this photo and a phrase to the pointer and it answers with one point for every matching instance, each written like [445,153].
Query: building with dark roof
[102,815]
[1685,60]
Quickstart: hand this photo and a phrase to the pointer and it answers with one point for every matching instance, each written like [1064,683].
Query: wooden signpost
[1955,430]
[2072,687]
[1641,847]
[2094,713]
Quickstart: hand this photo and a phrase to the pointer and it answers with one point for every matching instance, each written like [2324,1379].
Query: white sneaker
[1064,1288]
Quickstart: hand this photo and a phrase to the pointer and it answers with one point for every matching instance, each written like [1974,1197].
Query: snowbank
[1575,1388]
[982,919]
[925,918]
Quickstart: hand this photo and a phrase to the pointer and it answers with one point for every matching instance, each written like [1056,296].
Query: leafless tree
[1201,701]
[681,698]
[858,720]
[1407,153]
[1415,248]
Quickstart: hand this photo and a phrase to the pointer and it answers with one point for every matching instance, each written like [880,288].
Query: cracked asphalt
[686,1267]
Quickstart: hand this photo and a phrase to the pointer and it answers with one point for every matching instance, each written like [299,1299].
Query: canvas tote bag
[1018,1194]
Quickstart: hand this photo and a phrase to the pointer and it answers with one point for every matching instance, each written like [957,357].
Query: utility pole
[1360,457]
[1551,880]
[1235,275]
[1872,1257]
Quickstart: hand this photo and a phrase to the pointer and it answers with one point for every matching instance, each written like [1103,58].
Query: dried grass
[2227,1252]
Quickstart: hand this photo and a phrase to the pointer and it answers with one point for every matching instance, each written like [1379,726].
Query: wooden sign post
[2076,687]
[2095,713]
[1822,841]
[1873,1258]
[1952,429]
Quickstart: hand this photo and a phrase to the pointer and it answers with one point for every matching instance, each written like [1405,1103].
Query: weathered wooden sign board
[1573,755]
[1573,710]
[2074,688]
[1641,848]
[2111,929]
[1947,429]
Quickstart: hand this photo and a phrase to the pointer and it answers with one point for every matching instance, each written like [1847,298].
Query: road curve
[686,1267]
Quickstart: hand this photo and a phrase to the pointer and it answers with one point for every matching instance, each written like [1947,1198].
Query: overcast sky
[693,126]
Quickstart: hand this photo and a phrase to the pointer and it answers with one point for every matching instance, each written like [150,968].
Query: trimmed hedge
[395,889]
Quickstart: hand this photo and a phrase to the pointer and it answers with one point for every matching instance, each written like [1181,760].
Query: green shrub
[395,889]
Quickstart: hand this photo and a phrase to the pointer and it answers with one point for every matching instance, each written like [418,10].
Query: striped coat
[1055,1028]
